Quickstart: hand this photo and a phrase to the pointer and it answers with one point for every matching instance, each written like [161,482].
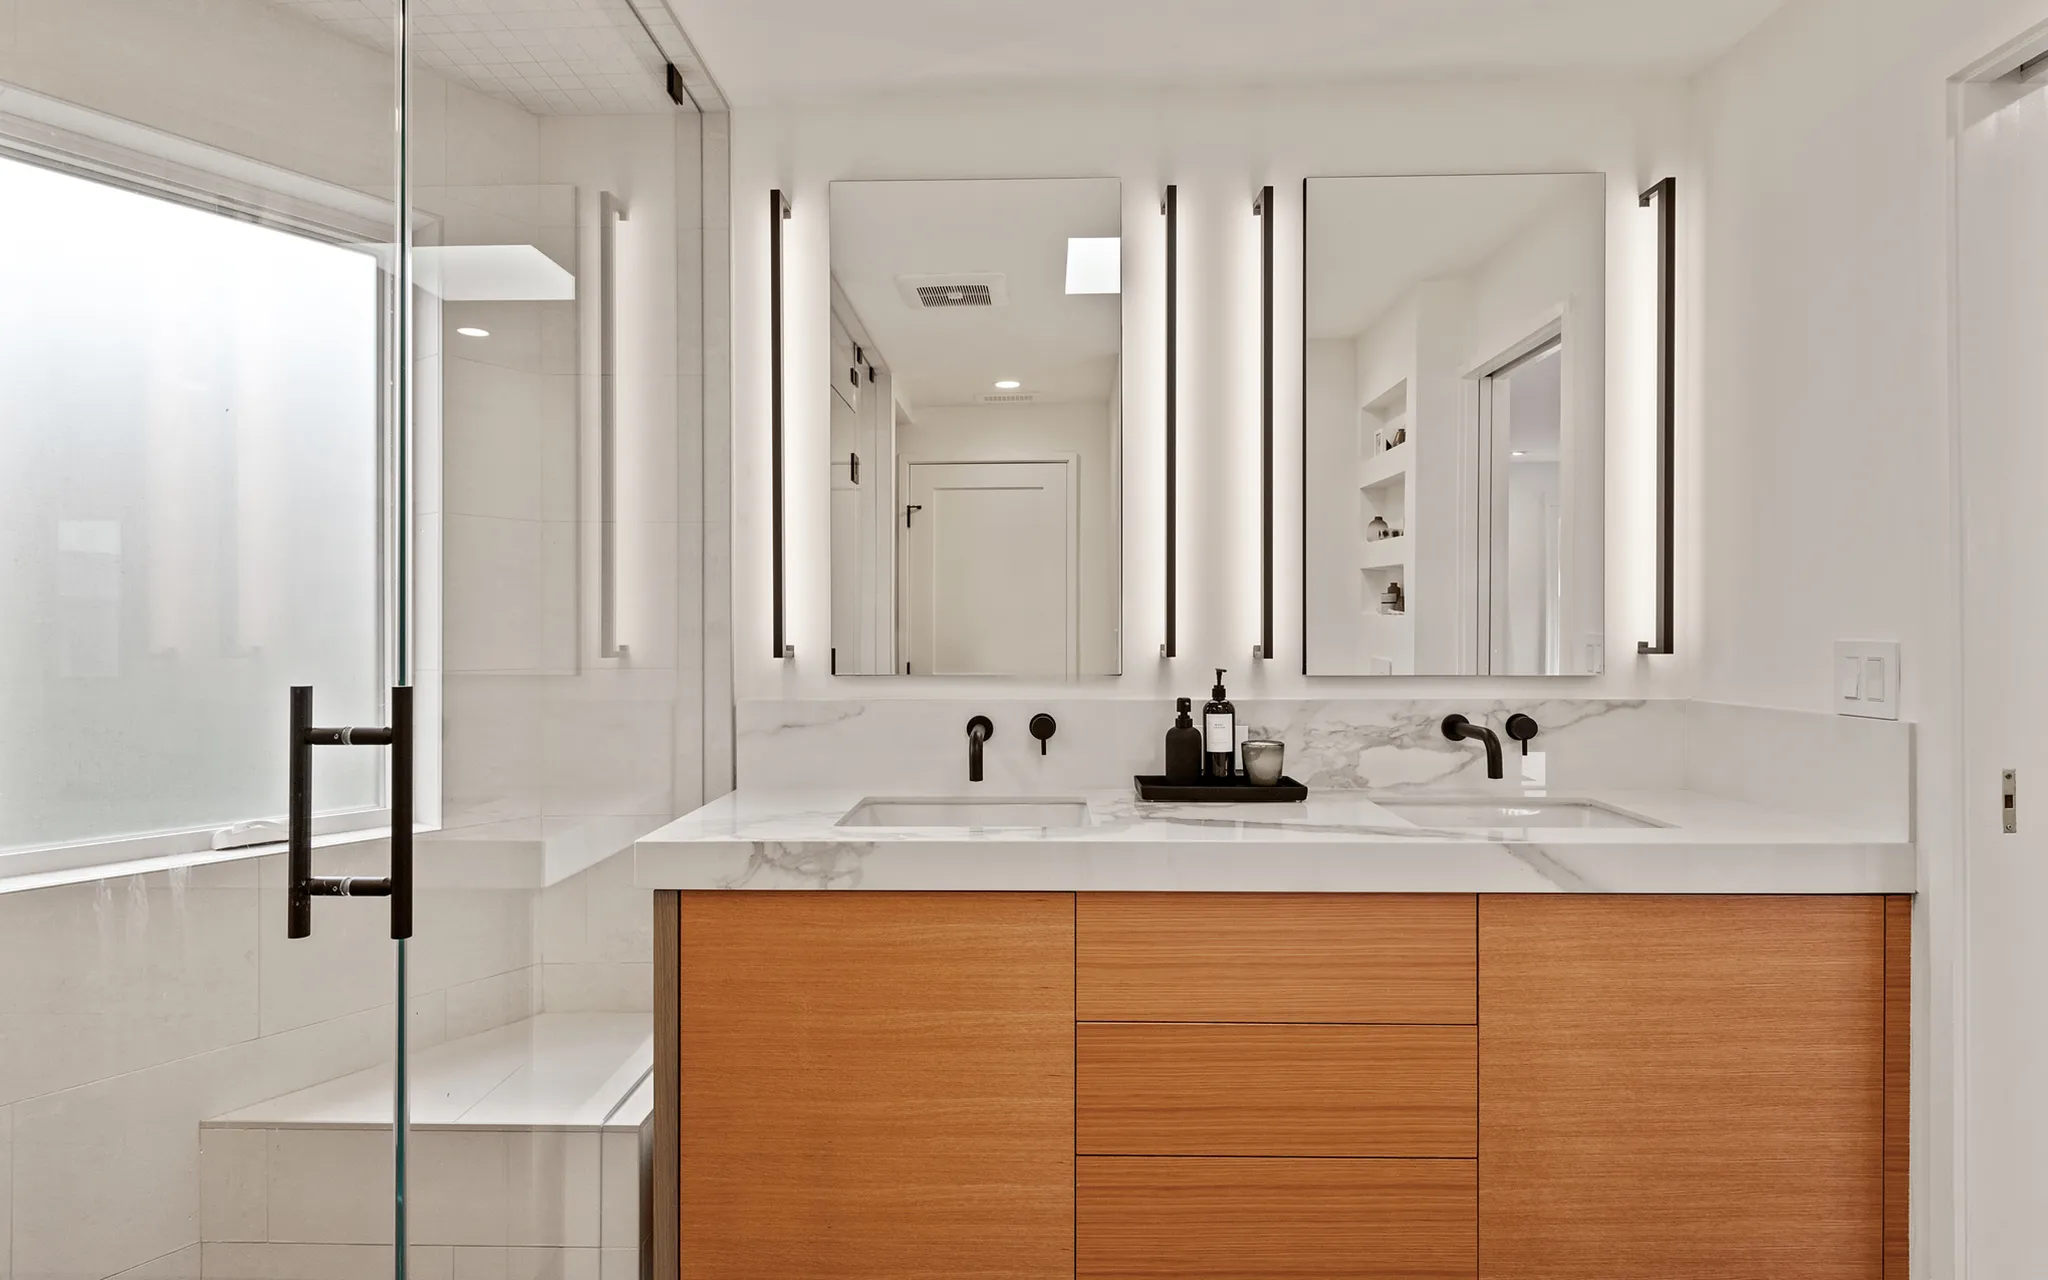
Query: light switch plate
[1866,678]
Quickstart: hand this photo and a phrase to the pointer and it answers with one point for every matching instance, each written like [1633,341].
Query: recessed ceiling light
[1094,264]
[471,331]
[1521,453]
[1008,384]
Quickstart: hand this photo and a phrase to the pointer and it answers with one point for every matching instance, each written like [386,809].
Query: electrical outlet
[1866,676]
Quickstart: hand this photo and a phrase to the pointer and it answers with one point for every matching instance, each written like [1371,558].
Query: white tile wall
[503,1202]
[495,594]
[460,1182]
[114,976]
[312,1262]
[148,1003]
[179,1264]
[491,1002]
[7,1192]
[716,312]
[619,1201]
[234,1184]
[597,941]
[598,987]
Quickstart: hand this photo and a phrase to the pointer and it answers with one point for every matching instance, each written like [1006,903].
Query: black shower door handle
[304,886]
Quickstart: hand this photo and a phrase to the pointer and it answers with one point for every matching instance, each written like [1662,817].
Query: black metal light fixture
[1262,208]
[1665,196]
[1170,207]
[778,213]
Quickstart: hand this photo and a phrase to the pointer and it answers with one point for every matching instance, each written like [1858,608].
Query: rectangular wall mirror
[1454,392]
[975,391]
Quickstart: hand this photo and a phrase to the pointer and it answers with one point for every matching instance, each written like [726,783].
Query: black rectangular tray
[1153,786]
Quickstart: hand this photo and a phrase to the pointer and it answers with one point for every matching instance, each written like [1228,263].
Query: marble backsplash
[1380,745]
[1855,772]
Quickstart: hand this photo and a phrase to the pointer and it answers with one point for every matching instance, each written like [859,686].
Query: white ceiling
[797,50]
[1060,347]
[552,57]
[1371,239]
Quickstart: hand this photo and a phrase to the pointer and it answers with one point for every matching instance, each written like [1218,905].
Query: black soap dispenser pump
[1183,745]
[1219,730]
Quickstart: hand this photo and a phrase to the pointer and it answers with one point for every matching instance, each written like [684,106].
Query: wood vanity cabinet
[876,1086]
[1693,1087]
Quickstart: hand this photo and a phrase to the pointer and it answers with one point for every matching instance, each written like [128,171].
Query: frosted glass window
[189,511]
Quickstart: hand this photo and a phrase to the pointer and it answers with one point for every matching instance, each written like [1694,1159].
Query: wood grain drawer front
[876,1086]
[1156,1088]
[1686,1088]
[1198,957]
[1166,1218]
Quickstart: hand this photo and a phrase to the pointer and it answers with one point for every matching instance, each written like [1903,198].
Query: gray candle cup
[1263,762]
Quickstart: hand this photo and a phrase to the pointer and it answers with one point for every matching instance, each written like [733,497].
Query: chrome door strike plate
[2010,780]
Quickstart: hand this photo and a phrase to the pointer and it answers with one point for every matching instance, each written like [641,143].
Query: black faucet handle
[1043,727]
[1522,728]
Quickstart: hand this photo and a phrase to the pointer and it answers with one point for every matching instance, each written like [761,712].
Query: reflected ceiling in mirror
[976,423]
[1454,392]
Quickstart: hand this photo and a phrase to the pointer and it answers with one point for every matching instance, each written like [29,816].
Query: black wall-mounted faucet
[1458,729]
[979,730]
[1043,727]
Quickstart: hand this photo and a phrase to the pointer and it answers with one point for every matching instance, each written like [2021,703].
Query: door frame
[1072,462]
[1482,482]
[1944,803]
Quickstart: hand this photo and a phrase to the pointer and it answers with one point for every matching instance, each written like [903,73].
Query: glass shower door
[203,443]
[335,361]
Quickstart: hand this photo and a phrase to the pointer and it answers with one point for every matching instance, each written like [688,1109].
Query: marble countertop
[1335,842]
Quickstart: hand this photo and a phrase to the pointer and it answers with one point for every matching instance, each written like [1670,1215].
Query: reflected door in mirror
[966,619]
[1452,430]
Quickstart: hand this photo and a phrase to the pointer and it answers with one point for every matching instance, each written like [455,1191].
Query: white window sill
[47,877]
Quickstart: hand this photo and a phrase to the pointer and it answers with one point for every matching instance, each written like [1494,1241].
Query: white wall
[578,753]
[981,433]
[1219,147]
[1822,490]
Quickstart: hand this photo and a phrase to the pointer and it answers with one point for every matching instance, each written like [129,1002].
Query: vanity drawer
[1168,1218]
[1152,1088]
[1256,957]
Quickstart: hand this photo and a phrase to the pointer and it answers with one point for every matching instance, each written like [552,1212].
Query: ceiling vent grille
[1008,397]
[961,289]
[959,295]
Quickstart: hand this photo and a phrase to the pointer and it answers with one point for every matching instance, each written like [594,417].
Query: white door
[2002,317]
[992,569]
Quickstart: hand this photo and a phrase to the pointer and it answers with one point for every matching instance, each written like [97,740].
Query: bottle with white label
[1219,730]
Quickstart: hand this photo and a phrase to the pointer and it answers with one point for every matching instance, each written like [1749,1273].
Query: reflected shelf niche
[1386,459]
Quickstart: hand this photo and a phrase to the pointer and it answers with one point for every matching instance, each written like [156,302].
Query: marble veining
[1399,746]
[1337,841]
[1347,744]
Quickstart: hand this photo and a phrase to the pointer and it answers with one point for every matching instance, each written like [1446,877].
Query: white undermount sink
[973,813]
[1493,815]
